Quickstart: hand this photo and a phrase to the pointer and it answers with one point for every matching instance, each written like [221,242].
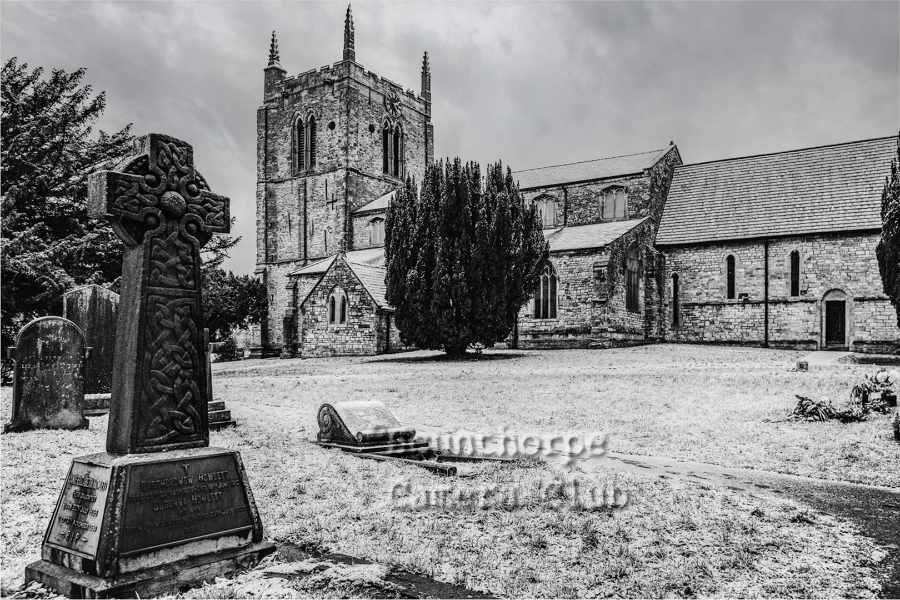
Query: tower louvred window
[310,157]
[300,143]
[385,149]
[395,170]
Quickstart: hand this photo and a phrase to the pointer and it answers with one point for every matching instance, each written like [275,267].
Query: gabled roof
[372,279]
[370,276]
[379,203]
[600,168]
[811,190]
[369,256]
[596,235]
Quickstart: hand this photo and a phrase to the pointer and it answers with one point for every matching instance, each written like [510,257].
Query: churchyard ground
[713,404]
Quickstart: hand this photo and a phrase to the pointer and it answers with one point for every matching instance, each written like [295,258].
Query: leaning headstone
[159,510]
[48,382]
[365,426]
[95,309]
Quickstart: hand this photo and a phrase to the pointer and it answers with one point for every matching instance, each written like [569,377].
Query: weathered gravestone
[95,309]
[159,510]
[219,417]
[48,383]
[364,426]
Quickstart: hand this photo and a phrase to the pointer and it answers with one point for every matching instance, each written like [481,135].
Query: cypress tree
[888,250]
[462,256]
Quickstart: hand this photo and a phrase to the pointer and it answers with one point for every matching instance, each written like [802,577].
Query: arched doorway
[835,320]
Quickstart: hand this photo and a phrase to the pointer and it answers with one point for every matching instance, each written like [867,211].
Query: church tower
[329,141]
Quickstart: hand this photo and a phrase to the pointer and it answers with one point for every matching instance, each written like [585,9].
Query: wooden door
[835,323]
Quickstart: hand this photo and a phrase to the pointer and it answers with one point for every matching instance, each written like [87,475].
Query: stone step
[222,425]
[215,405]
[219,415]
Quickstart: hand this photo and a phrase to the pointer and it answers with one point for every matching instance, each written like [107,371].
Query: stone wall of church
[828,263]
[591,308]
[581,203]
[359,336]
[279,297]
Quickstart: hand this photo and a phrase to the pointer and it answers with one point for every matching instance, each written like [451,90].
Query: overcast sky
[532,83]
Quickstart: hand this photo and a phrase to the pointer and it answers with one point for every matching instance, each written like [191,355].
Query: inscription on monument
[175,501]
[76,524]
[367,416]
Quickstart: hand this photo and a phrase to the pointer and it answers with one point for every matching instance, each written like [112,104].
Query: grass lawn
[720,405]
[673,538]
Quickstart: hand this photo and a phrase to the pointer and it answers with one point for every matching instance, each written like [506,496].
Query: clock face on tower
[392,104]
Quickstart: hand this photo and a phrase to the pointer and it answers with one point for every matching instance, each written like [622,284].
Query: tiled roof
[595,235]
[372,279]
[813,190]
[379,203]
[369,256]
[587,170]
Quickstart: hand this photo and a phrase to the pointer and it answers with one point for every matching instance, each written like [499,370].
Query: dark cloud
[531,83]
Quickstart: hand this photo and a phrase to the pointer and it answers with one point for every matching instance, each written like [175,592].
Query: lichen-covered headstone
[48,384]
[95,309]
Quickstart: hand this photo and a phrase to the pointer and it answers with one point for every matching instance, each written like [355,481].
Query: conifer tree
[462,256]
[888,250]
[49,243]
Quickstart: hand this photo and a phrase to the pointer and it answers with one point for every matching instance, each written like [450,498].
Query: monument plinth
[159,511]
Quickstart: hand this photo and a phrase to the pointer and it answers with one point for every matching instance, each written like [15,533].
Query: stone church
[332,145]
[773,250]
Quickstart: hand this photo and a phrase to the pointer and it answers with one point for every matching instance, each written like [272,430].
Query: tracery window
[545,294]
[305,144]
[393,145]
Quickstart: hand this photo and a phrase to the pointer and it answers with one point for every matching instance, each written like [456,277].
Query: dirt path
[875,510]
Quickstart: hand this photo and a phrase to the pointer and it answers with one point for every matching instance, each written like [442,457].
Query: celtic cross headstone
[159,509]
[163,210]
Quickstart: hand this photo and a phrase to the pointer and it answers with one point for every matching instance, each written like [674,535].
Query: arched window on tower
[309,154]
[633,279]
[676,301]
[386,149]
[795,273]
[299,145]
[730,292]
[376,232]
[397,154]
[545,294]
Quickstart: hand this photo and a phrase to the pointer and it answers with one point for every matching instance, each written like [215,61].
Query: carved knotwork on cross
[162,208]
